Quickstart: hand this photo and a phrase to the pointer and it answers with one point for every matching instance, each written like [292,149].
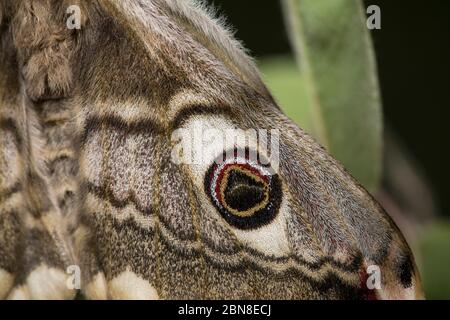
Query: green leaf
[288,87]
[336,59]
[434,260]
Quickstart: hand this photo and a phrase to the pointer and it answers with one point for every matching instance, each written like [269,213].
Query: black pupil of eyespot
[243,192]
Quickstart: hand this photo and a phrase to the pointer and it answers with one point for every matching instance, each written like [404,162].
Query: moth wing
[154,228]
[331,239]
[157,234]
[349,213]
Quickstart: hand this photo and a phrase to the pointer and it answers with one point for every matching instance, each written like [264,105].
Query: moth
[92,122]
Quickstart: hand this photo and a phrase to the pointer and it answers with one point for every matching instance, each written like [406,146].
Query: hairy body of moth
[88,178]
[38,152]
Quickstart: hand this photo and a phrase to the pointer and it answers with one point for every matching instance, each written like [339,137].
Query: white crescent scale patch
[44,283]
[6,282]
[20,293]
[97,288]
[129,286]
[270,239]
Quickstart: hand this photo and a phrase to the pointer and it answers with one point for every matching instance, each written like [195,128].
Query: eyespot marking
[246,193]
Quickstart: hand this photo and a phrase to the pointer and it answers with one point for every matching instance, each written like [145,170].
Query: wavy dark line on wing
[104,193]
[95,124]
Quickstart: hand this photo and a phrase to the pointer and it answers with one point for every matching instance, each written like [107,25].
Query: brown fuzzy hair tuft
[45,47]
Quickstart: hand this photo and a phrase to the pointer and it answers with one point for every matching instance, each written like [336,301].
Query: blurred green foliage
[434,260]
[336,58]
[288,87]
